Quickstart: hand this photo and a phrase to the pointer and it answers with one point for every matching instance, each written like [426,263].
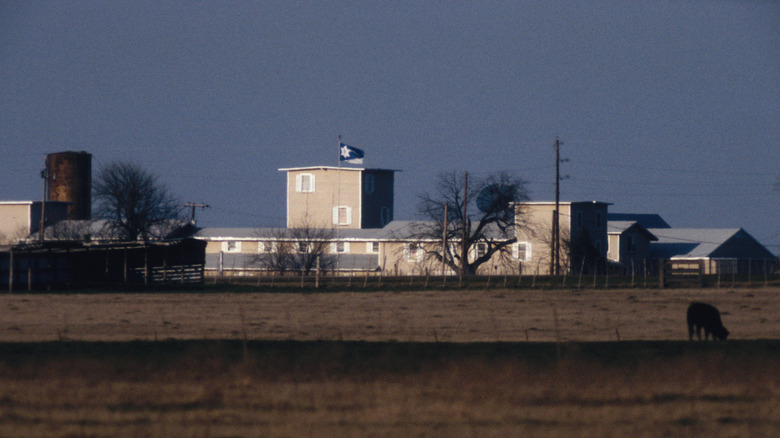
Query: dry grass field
[455,363]
[428,316]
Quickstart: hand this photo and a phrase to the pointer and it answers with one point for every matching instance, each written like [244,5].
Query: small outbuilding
[722,250]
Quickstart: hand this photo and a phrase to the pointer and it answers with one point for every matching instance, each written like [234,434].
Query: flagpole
[338,205]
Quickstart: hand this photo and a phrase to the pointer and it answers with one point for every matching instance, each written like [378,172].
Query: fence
[68,265]
[373,281]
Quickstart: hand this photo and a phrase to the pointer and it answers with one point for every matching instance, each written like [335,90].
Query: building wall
[394,257]
[400,258]
[590,218]
[634,259]
[614,247]
[20,219]
[14,221]
[331,188]
[535,227]
[535,219]
[377,198]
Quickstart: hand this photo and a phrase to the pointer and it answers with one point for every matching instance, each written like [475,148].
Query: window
[266,247]
[413,251]
[598,220]
[342,215]
[482,249]
[522,251]
[579,219]
[302,247]
[384,216]
[372,247]
[231,246]
[369,184]
[304,183]
[340,247]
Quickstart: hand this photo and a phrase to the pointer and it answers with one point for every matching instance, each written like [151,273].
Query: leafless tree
[297,249]
[488,223]
[133,201]
[70,230]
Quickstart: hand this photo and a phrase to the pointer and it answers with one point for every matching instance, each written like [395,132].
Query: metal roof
[689,242]
[646,220]
[620,227]
[395,230]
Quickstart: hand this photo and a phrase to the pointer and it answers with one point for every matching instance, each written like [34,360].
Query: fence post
[11,271]
[661,269]
[701,273]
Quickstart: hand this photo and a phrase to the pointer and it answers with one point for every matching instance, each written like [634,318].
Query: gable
[706,243]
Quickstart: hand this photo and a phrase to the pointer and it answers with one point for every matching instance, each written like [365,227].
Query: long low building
[395,249]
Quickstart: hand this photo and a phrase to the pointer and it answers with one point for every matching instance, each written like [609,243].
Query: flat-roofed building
[341,198]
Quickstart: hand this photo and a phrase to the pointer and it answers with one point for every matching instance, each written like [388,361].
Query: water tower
[70,180]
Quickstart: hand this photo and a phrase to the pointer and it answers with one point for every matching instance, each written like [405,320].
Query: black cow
[702,315]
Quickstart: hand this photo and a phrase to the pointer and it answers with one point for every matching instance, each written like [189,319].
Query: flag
[351,154]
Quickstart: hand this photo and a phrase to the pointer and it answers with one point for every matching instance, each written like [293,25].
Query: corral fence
[58,265]
[674,275]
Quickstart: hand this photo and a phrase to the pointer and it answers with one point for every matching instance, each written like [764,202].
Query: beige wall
[14,222]
[535,227]
[394,257]
[331,188]
[613,252]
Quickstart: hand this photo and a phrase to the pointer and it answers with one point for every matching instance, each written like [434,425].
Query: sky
[667,107]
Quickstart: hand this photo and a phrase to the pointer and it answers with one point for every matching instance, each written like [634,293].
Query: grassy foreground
[323,388]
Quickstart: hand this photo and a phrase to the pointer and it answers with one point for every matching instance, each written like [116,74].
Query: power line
[667,169]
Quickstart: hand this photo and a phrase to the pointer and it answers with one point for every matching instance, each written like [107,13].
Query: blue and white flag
[351,154]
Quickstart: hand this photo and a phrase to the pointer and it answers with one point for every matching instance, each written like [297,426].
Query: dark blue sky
[669,107]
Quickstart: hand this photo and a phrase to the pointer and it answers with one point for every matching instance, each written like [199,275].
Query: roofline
[32,202]
[293,239]
[356,169]
[561,202]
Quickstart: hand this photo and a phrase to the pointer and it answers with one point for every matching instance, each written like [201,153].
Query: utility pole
[45,176]
[556,244]
[555,247]
[464,255]
[444,243]
[193,206]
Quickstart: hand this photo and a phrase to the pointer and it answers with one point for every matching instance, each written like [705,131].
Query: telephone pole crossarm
[193,206]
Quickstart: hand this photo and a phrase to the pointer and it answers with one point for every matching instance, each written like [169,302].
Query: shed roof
[706,243]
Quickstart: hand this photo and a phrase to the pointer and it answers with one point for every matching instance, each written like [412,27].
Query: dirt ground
[426,316]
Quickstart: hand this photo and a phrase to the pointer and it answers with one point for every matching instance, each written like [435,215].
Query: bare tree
[297,249]
[480,218]
[133,202]
[70,230]
[274,254]
[309,244]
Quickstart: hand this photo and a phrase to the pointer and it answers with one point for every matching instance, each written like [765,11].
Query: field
[426,363]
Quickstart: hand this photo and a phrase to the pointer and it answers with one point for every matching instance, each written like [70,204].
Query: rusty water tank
[70,180]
